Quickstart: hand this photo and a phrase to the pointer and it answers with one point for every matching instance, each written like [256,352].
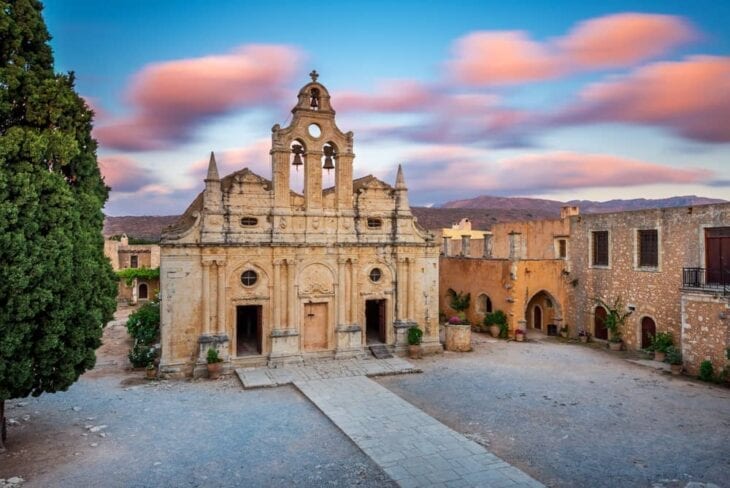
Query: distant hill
[483,211]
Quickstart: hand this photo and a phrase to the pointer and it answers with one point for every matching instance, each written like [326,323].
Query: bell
[329,153]
[297,150]
[314,103]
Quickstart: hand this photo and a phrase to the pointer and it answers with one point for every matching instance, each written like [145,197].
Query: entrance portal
[648,332]
[599,323]
[248,330]
[315,326]
[375,321]
[537,317]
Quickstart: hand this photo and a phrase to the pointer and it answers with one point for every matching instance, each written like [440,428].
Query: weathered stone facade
[705,330]
[123,255]
[268,275]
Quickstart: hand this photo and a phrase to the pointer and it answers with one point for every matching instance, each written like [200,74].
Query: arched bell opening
[296,168]
[330,155]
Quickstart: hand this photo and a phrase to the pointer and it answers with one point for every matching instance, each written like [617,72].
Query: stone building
[670,268]
[269,275]
[123,255]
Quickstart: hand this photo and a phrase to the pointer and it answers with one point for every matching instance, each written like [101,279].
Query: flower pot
[214,370]
[519,337]
[494,330]
[583,338]
[564,335]
[415,351]
[676,369]
[659,356]
[150,374]
[614,346]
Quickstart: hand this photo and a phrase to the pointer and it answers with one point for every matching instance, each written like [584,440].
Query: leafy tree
[56,289]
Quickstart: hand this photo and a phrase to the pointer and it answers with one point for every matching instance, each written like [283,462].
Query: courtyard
[565,414]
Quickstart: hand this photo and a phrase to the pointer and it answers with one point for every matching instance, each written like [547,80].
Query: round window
[375,275]
[249,278]
[314,130]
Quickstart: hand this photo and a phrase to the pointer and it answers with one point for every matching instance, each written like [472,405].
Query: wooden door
[717,245]
[648,331]
[599,324]
[537,317]
[315,326]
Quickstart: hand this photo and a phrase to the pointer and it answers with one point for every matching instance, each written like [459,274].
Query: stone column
[221,296]
[341,290]
[206,297]
[487,251]
[410,295]
[291,313]
[276,295]
[465,245]
[447,245]
[353,291]
[400,283]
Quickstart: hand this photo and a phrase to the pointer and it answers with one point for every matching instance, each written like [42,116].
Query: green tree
[56,287]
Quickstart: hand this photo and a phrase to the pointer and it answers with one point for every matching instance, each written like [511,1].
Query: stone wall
[705,330]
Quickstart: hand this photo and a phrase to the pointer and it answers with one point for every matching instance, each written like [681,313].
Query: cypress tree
[57,288]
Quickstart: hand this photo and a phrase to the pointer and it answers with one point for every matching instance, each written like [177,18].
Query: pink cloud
[123,174]
[254,157]
[690,97]
[619,40]
[170,99]
[391,96]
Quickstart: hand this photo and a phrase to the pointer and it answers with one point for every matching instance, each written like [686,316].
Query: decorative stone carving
[316,279]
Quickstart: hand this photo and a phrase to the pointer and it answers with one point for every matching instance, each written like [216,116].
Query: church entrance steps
[413,448]
[264,377]
[380,351]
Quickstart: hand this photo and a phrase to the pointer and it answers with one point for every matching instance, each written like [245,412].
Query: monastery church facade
[267,275]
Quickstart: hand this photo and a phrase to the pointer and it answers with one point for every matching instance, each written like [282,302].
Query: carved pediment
[316,279]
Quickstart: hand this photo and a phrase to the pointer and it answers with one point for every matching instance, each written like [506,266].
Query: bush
[142,355]
[661,342]
[455,320]
[498,318]
[144,324]
[213,356]
[674,355]
[414,336]
[707,372]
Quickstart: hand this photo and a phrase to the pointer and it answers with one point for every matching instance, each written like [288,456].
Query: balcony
[715,280]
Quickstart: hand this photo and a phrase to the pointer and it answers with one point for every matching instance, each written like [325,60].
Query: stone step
[380,351]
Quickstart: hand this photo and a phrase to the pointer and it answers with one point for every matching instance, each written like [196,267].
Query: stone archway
[543,313]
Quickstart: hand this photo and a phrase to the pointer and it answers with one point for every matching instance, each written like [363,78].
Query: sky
[560,100]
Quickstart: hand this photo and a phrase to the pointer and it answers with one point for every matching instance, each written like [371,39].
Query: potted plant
[494,321]
[215,364]
[414,342]
[151,371]
[660,345]
[583,335]
[674,358]
[614,321]
[519,335]
[459,302]
[564,332]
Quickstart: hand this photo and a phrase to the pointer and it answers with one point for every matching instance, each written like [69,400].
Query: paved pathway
[323,369]
[415,449]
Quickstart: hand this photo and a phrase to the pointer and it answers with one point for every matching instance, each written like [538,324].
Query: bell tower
[314,141]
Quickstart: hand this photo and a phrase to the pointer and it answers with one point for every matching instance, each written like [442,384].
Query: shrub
[414,336]
[674,355]
[144,324]
[661,342]
[707,372]
[459,301]
[497,317]
[455,320]
[213,356]
[142,355]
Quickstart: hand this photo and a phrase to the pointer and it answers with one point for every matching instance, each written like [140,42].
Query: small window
[648,248]
[374,223]
[134,261]
[249,278]
[600,248]
[249,221]
[375,275]
[562,248]
[484,304]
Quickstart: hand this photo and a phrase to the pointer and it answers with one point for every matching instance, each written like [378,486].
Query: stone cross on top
[314,75]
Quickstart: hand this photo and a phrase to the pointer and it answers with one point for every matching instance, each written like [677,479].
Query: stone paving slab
[323,369]
[651,364]
[415,449]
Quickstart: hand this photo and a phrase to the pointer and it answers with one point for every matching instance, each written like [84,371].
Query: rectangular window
[562,248]
[648,248]
[133,262]
[600,248]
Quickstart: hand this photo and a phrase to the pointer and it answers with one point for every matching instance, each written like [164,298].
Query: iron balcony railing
[707,279]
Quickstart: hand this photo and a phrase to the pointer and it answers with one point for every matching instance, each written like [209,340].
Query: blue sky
[561,100]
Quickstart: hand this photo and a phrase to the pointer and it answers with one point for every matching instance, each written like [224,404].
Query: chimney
[569,211]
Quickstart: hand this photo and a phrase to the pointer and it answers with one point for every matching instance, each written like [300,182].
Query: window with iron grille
[648,248]
[133,261]
[600,248]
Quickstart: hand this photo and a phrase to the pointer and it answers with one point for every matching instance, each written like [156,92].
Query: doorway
[537,317]
[248,330]
[315,327]
[599,323]
[648,331]
[717,245]
[143,291]
[375,321]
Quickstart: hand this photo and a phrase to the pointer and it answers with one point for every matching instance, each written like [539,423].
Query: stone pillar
[447,245]
[291,314]
[353,292]
[276,296]
[466,245]
[206,297]
[487,251]
[341,290]
[221,297]
[400,284]
[410,285]
[134,291]
[313,179]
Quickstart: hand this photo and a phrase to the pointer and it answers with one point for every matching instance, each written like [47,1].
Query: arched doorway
[648,331]
[143,292]
[599,323]
[537,317]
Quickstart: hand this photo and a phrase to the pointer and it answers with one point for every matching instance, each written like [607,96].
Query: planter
[583,338]
[564,335]
[659,356]
[520,337]
[458,337]
[214,370]
[676,369]
[494,330]
[151,374]
[614,346]
[415,352]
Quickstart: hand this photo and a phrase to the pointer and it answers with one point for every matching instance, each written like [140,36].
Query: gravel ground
[575,416]
[114,429]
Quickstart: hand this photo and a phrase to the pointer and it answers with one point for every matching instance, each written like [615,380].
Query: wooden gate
[315,326]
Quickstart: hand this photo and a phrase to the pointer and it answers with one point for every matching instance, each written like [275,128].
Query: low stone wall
[705,330]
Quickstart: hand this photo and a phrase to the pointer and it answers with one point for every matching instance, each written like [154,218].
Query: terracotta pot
[494,330]
[415,352]
[564,335]
[150,374]
[214,370]
[614,346]
[659,356]
[676,369]
[519,337]
[583,338]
